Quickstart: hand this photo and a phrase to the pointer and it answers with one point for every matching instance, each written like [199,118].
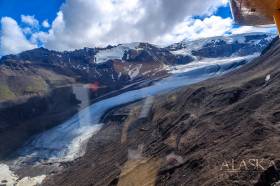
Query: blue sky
[48,11]
[223,11]
[26,24]
[39,8]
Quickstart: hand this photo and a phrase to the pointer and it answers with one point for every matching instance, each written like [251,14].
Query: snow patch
[7,177]
[134,72]
[28,181]
[114,53]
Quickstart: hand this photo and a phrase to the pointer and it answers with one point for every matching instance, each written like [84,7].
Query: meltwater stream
[68,140]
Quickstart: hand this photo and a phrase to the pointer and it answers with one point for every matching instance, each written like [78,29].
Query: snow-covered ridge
[254,42]
[251,39]
[246,38]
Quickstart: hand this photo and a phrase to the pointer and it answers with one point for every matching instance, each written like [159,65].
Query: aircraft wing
[253,12]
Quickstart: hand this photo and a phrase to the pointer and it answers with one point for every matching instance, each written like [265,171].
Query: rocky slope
[223,131]
[37,86]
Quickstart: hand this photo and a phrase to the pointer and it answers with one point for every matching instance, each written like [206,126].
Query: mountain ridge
[191,133]
[41,84]
[118,65]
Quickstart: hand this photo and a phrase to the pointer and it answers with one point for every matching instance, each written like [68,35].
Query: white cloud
[196,28]
[46,24]
[30,20]
[12,39]
[90,23]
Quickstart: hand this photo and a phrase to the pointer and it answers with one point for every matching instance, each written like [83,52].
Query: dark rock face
[270,176]
[211,133]
[20,120]
[182,60]
[220,50]
[140,56]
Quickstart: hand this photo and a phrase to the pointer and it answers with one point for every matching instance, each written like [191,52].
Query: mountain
[37,85]
[46,92]
[222,131]
[39,71]
[219,47]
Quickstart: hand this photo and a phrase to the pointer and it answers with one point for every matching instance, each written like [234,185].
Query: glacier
[68,141]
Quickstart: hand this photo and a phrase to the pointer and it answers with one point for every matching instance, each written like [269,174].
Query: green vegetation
[6,93]
[36,85]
